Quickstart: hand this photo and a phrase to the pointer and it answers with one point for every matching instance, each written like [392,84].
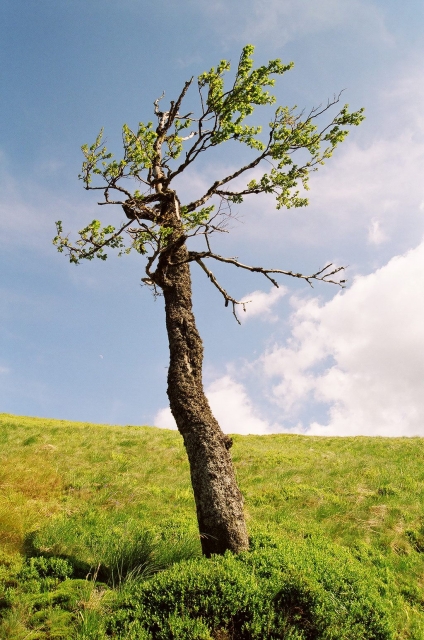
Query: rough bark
[219,502]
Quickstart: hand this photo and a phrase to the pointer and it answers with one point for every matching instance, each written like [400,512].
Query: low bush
[39,600]
[297,590]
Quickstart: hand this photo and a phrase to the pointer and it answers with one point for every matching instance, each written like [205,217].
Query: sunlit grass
[61,482]
[368,490]
[52,467]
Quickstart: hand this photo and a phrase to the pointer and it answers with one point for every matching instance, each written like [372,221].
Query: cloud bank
[260,304]
[361,354]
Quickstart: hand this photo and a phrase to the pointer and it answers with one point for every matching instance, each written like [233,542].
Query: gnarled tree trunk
[219,503]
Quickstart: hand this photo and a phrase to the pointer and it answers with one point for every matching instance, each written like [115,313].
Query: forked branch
[325,274]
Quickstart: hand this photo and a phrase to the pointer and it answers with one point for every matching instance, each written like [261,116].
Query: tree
[159,227]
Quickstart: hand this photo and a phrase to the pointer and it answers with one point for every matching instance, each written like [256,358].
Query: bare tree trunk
[219,503]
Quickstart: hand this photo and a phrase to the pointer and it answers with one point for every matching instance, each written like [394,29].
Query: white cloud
[230,405]
[373,334]
[164,419]
[375,233]
[381,181]
[261,304]
[233,408]
[369,192]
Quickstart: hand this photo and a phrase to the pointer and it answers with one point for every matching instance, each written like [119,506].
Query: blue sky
[89,343]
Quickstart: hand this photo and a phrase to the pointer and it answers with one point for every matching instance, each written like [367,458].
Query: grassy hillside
[67,489]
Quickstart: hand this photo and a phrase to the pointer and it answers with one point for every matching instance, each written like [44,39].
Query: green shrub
[36,568]
[39,600]
[306,590]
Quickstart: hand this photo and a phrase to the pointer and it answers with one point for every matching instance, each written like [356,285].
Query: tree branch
[218,183]
[198,147]
[226,296]
[322,275]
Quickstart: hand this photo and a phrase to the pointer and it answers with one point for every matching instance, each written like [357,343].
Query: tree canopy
[154,156]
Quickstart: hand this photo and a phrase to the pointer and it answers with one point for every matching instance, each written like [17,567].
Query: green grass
[92,493]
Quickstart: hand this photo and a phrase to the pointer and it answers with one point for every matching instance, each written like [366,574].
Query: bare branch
[166,118]
[218,183]
[191,135]
[226,295]
[199,146]
[322,275]
[175,108]
[156,103]
[109,186]
[317,111]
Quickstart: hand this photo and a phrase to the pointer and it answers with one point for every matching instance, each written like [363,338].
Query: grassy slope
[356,491]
